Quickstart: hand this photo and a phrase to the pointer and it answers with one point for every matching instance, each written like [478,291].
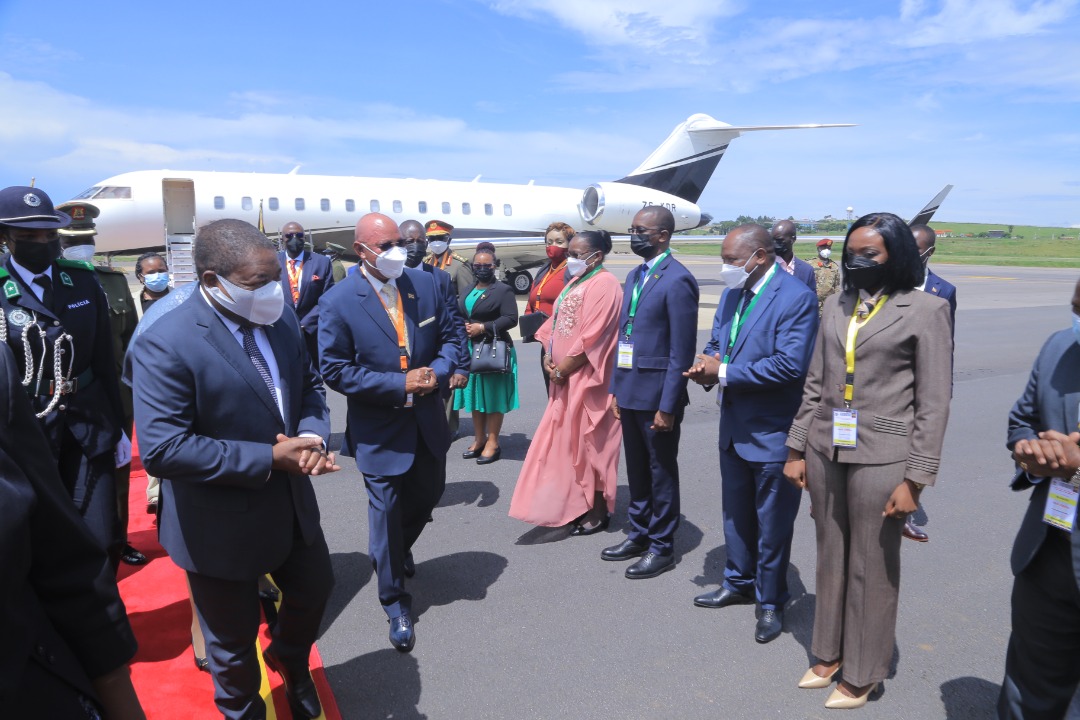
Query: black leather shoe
[402,636]
[300,691]
[769,625]
[582,530]
[650,566]
[485,460]
[409,564]
[471,454]
[624,551]
[914,532]
[131,556]
[722,598]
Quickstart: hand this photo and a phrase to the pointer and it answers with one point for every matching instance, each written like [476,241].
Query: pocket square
[427,322]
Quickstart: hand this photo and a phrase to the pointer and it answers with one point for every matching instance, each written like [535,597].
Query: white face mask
[577,266]
[735,276]
[824,254]
[82,253]
[438,247]
[391,263]
[261,306]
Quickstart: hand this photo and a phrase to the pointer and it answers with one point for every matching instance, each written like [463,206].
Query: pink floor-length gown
[575,451]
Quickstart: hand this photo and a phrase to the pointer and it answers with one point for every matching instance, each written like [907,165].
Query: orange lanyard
[543,281]
[399,326]
[296,267]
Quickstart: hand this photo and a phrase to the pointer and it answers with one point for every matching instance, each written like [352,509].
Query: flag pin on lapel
[411,296]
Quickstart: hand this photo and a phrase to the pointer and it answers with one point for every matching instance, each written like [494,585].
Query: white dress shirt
[28,278]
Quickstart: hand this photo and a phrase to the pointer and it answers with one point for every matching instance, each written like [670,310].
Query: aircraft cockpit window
[245,203]
[219,202]
[507,210]
[273,203]
[446,208]
[88,193]
[113,193]
[350,206]
[466,208]
[299,203]
[422,207]
[397,206]
[324,205]
[488,209]
[374,206]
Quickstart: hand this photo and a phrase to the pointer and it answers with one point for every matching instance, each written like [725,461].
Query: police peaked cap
[27,207]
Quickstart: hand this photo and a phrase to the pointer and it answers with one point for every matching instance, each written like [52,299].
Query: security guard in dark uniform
[77,243]
[334,252]
[57,325]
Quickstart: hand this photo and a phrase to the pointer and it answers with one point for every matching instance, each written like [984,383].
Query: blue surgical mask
[156,282]
[1076,327]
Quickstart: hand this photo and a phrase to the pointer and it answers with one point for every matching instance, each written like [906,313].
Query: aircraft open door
[178,196]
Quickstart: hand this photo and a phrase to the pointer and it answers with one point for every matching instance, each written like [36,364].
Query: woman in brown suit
[866,441]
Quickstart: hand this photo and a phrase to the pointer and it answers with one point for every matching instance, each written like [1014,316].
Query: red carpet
[169,686]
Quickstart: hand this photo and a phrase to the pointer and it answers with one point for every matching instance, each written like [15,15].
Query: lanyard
[563,294]
[639,287]
[849,350]
[742,315]
[296,267]
[398,319]
[543,281]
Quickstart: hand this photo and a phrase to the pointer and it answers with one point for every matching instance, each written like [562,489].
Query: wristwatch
[556,373]
[918,486]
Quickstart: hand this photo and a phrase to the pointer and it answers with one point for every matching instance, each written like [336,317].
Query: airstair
[179,254]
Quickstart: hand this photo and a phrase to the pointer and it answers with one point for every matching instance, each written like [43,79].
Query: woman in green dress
[490,310]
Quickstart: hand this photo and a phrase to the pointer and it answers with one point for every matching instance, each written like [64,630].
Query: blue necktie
[257,359]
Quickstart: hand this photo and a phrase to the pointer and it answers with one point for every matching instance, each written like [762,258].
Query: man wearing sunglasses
[309,275]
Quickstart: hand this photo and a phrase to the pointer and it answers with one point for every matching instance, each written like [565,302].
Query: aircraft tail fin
[685,161]
[924,215]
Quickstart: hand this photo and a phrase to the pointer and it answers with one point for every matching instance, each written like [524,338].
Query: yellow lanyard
[399,326]
[849,350]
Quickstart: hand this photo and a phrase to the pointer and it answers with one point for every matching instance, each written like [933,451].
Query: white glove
[123,451]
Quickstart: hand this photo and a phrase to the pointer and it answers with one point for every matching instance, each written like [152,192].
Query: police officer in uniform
[826,272]
[77,243]
[334,252]
[440,255]
[58,326]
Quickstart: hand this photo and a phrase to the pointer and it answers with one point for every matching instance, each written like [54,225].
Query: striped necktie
[258,360]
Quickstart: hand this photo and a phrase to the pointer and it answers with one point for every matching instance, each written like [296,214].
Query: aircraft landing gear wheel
[521,282]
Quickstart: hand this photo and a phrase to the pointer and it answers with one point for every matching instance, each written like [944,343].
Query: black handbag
[490,356]
[529,323]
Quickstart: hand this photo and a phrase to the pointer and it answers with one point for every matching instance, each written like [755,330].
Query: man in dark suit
[762,339]
[783,237]
[51,304]
[389,343]
[657,338]
[309,276]
[1042,667]
[232,416]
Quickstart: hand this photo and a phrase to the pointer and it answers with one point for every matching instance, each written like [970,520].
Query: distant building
[995,233]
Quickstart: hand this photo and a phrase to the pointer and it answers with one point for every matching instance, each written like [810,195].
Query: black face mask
[484,275]
[36,257]
[864,273]
[781,248]
[640,245]
[294,247]
[416,253]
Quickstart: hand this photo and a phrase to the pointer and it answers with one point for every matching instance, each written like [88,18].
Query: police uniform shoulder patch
[11,290]
[65,280]
[75,264]
[19,317]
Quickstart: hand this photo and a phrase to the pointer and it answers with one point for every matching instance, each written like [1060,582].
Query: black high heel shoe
[472,453]
[201,663]
[485,460]
[582,530]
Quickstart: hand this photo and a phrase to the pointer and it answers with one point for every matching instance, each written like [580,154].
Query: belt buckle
[66,386]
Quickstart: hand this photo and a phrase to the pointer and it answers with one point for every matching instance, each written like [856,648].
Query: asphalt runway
[522,622]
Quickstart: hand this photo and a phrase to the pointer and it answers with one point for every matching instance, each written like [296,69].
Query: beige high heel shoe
[839,701]
[812,681]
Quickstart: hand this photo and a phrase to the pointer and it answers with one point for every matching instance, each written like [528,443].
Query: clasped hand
[475,330]
[1052,454]
[903,501]
[303,456]
[421,381]
[705,370]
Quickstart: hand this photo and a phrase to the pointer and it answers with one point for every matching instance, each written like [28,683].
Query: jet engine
[612,206]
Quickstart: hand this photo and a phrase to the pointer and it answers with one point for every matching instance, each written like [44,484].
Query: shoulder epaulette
[4,274]
[110,270]
[75,264]
[459,258]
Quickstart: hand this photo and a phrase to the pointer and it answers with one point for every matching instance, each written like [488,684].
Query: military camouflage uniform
[827,274]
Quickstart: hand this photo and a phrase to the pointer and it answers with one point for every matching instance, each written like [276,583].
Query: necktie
[257,359]
[389,293]
[747,296]
[45,283]
[294,281]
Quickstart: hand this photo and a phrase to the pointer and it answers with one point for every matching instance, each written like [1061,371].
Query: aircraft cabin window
[273,204]
[507,210]
[422,207]
[397,206]
[466,208]
[88,193]
[374,206]
[324,205]
[446,208]
[350,206]
[299,203]
[219,202]
[245,203]
[113,193]
[488,209]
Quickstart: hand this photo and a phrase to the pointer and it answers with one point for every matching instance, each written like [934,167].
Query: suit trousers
[858,565]
[228,612]
[399,506]
[1042,667]
[652,470]
[760,507]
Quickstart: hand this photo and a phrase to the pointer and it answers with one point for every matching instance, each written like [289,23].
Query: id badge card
[408,399]
[1061,505]
[626,355]
[845,428]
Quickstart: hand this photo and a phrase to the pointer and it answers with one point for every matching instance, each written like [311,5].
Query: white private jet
[152,209]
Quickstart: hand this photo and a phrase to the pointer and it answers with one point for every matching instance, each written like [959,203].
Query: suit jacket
[767,367]
[496,309]
[664,337]
[903,383]
[359,357]
[316,277]
[805,271]
[59,605]
[449,297]
[943,289]
[207,425]
[1050,402]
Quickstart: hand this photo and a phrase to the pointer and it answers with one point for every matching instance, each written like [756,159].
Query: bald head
[374,229]
[752,236]
[660,217]
[292,235]
[750,247]
[416,242]
[925,239]
[411,230]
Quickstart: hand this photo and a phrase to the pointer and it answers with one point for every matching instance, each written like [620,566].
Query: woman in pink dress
[572,467]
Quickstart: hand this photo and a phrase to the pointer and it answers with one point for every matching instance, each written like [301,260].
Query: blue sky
[984,94]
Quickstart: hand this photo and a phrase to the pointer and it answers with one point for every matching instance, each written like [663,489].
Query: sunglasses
[400,242]
[483,266]
[291,236]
